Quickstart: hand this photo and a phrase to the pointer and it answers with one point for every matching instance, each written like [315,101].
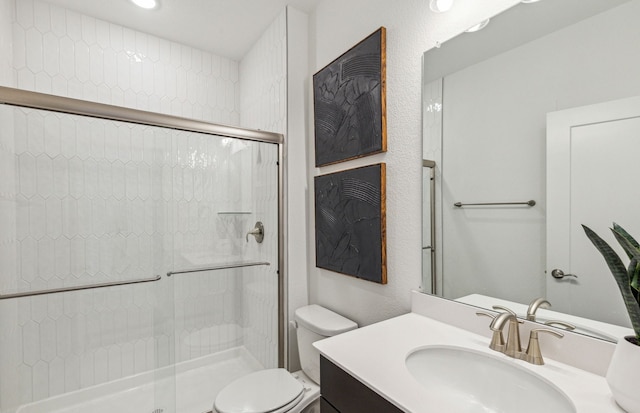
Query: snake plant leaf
[627,243]
[622,231]
[632,268]
[621,276]
[632,249]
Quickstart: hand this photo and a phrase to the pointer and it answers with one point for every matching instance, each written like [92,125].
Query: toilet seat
[264,391]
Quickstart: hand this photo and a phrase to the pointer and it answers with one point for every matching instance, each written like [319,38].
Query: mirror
[490,102]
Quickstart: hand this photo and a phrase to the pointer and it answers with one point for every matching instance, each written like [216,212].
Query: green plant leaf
[630,246]
[633,269]
[619,230]
[621,276]
[627,244]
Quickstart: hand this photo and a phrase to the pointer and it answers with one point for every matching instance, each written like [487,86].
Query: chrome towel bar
[218,267]
[77,288]
[529,203]
[117,283]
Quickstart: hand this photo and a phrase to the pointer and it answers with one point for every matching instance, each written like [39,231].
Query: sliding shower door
[84,311]
[139,264]
[225,256]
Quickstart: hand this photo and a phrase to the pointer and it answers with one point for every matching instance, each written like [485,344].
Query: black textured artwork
[350,222]
[350,103]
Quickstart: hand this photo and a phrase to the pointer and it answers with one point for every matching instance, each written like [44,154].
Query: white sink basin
[474,382]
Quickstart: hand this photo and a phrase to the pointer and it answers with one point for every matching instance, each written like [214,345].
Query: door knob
[559,274]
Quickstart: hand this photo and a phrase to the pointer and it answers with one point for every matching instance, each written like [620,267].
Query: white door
[593,178]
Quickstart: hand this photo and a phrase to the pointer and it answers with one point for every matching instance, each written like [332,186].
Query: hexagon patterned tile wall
[68,54]
[94,200]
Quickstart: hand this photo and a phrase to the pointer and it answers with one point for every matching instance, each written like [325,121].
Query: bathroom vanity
[385,367]
[343,393]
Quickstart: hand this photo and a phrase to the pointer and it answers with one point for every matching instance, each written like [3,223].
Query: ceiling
[225,27]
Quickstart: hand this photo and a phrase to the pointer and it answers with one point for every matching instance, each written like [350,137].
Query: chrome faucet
[533,307]
[513,347]
[543,303]
[497,339]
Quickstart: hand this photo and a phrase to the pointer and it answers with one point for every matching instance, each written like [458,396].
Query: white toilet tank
[315,323]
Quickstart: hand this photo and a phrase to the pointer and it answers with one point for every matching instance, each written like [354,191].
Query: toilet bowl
[277,390]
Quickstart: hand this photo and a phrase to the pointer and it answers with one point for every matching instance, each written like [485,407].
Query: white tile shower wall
[9,346]
[263,80]
[6,36]
[102,335]
[65,53]
[263,97]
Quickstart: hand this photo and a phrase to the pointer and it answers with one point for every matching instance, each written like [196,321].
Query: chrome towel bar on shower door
[139,281]
[77,288]
[529,203]
[219,267]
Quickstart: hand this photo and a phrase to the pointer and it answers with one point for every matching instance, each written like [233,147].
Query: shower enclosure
[134,277]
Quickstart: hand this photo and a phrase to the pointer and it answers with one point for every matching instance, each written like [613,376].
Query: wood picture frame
[349,101]
[350,212]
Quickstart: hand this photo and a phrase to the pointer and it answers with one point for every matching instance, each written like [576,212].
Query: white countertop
[376,354]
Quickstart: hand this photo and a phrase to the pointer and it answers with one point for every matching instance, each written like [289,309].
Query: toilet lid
[264,391]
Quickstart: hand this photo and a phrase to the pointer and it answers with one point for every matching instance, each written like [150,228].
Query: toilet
[277,390]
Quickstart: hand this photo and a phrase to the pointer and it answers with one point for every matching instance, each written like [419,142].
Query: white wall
[336,26]
[498,152]
[296,150]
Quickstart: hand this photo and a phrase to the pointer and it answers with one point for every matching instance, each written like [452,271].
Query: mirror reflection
[541,105]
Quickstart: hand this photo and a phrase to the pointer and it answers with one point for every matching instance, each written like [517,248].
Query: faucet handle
[502,308]
[534,305]
[509,311]
[497,339]
[485,314]
[533,354]
[566,326]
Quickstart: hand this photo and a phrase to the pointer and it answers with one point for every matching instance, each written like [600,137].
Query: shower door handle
[257,232]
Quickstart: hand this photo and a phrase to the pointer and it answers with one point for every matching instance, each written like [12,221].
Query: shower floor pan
[196,384]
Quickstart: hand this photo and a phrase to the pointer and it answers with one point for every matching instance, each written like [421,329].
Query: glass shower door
[225,258]
[85,314]
[132,276]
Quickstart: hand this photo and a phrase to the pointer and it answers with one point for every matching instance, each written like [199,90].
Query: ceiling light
[146,4]
[478,26]
[440,6]
[529,1]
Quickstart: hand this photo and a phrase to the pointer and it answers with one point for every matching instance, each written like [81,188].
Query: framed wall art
[350,222]
[349,97]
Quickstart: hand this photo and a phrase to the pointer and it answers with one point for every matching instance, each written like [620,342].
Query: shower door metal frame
[432,222]
[36,100]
